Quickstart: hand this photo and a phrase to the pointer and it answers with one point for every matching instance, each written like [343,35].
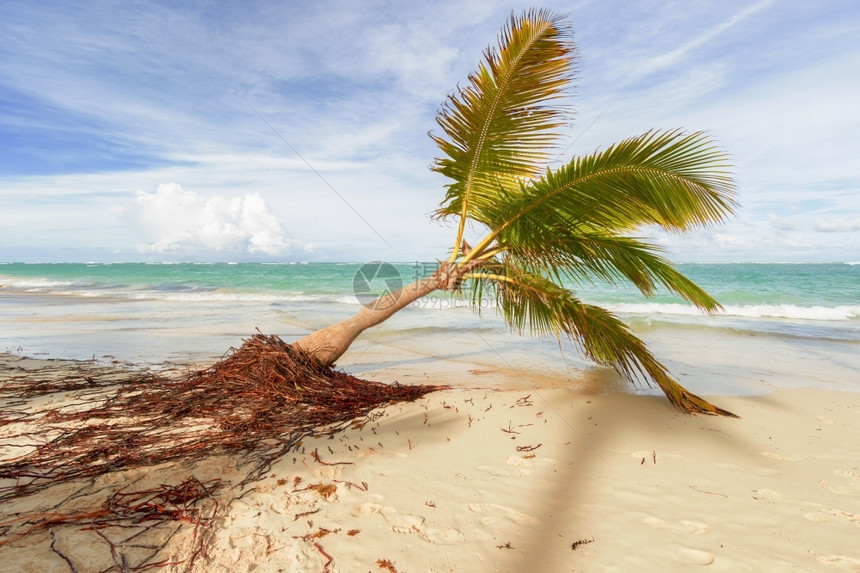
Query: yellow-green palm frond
[578,258]
[572,224]
[533,303]
[499,128]
[671,179]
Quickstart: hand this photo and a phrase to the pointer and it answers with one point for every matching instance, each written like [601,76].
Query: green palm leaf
[534,303]
[588,258]
[498,129]
[674,180]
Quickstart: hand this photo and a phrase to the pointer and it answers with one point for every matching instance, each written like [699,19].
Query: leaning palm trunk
[546,231]
[329,344]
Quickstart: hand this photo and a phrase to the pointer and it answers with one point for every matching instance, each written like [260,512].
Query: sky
[290,130]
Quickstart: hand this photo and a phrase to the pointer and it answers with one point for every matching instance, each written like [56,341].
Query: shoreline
[708,357]
[550,479]
[789,325]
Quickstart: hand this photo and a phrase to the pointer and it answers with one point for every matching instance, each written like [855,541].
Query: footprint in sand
[782,457]
[382,453]
[407,523]
[695,556]
[495,513]
[326,472]
[842,562]
[829,514]
[694,527]
[847,474]
[522,464]
[819,516]
[522,461]
[416,525]
[850,489]
[497,472]
[766,493]
[519,466]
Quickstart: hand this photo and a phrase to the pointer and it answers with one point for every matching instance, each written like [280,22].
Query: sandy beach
[286,288]
[506,474]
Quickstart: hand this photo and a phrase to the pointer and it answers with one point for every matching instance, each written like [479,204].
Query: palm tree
[547,230]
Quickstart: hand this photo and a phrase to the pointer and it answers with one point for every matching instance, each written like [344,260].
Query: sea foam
[786,311]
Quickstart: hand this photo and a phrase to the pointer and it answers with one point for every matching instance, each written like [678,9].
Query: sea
[782,325]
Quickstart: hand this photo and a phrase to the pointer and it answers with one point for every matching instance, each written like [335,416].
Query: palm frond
[499,128]
[534,303]
[587,258]
[671,179]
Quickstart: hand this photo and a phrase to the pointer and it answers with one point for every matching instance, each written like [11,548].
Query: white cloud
[781,223]
[836,225]
[173,219]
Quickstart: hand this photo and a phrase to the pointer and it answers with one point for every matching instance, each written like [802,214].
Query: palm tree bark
[329,344]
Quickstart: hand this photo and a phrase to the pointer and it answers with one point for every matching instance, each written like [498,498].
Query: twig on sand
[579,542]
[528,448]
[60,553]
[326,555]
[510,429]
[306,513]
[694,488]
[316,456]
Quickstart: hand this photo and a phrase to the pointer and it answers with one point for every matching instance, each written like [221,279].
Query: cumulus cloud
[173,219]
[837,225]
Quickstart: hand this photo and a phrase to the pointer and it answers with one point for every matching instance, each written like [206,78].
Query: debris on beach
[77,431]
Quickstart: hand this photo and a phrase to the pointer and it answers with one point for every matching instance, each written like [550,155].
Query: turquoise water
[823,292]
[803,318]
[802,284]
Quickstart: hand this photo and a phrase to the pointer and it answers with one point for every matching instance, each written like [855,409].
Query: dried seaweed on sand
[73,432]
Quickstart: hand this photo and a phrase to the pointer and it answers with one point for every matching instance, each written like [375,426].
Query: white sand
[453,485]
[510,480]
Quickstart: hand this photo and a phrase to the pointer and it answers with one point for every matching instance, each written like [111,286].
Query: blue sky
[140,130]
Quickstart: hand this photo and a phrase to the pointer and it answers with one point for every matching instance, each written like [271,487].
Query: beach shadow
[547,546]
[356,369]
[598,432]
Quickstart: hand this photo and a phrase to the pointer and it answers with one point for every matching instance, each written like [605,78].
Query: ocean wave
[783,311]
[39,284]
[169,293]
[236,296]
